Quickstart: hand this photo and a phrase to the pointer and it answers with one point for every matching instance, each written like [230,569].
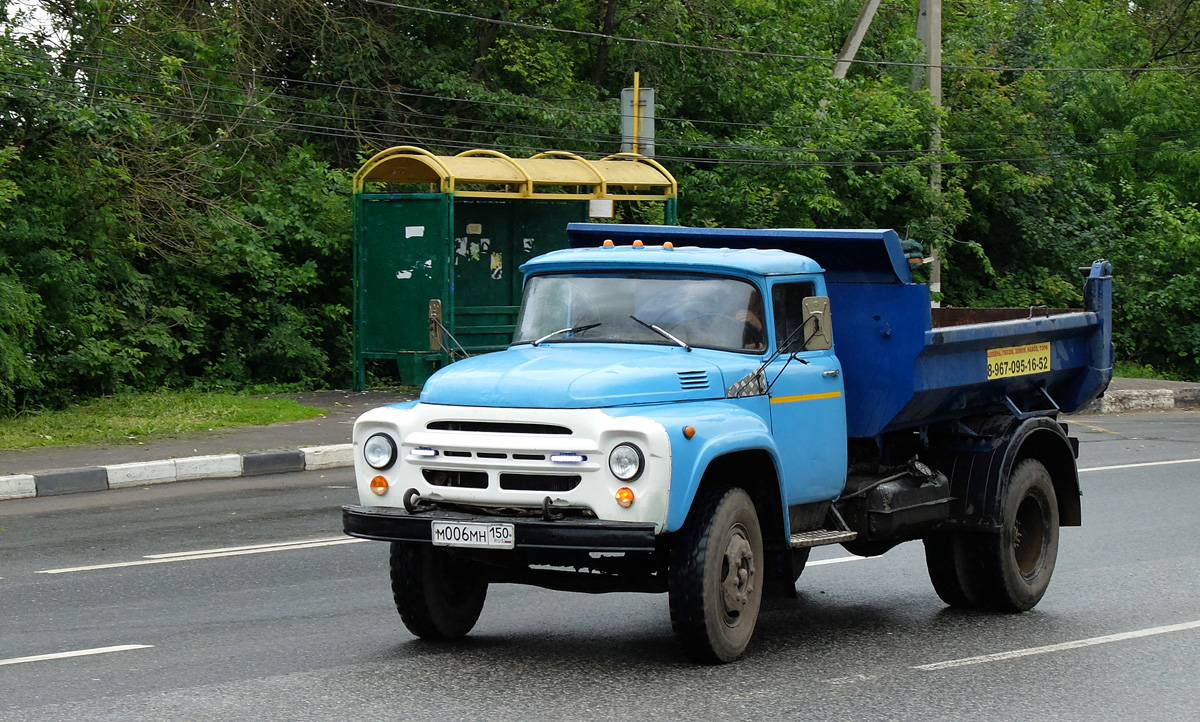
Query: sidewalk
[324,443]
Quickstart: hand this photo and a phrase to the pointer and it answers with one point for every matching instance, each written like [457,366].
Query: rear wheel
[1015,565]
[1007,570]
[715,579]
[437,595]
[943,553]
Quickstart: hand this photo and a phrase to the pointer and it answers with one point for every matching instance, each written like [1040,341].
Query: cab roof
[745,262]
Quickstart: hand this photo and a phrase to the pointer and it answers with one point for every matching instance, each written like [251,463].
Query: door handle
[832,373]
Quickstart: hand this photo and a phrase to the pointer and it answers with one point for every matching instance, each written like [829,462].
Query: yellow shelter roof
[490,174]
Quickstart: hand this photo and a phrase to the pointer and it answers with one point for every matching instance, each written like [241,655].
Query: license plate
[473,534]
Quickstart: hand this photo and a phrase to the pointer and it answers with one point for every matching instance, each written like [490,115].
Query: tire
[942,552]
[1014,566]
[715,582]
[438,596]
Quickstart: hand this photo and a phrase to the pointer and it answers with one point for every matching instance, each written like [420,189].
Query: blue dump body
[902,368]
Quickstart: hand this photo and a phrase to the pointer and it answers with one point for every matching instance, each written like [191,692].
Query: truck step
[821,537]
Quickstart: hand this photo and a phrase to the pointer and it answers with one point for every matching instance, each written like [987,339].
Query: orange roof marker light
[668,246]
[638,244]
[607,243]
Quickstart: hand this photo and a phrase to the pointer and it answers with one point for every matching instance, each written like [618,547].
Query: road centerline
[208,554]
[835,560]
[76,653]
[275,545]
[1139,465]
[1061,647]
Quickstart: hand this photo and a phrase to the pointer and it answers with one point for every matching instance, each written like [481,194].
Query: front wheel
[715,579]
[438,596]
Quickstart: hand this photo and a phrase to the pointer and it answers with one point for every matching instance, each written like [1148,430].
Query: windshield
[703,311]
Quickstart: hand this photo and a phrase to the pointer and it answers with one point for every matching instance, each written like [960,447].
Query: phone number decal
[1032,358]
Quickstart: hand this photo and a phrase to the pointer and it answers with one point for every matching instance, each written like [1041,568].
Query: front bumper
[385,523]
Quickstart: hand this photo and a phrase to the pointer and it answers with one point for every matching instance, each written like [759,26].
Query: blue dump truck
[691,410]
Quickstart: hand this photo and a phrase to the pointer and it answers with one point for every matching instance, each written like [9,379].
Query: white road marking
[209,554]
[1077,644]
[274,545]
[835,560]
[78,653]
[1144,463]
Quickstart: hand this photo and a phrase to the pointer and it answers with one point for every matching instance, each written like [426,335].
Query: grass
[133,417]
[1131,370]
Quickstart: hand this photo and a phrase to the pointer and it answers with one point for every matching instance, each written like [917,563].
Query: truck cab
[675,419]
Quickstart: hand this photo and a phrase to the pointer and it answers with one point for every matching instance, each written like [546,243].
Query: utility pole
[929,29]
[854,40]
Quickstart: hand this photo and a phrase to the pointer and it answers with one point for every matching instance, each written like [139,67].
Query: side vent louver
[692,380]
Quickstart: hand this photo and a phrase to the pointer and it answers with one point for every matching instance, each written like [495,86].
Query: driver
[753,335]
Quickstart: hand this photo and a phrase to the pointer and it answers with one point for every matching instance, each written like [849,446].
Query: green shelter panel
[402,265]
[491,241]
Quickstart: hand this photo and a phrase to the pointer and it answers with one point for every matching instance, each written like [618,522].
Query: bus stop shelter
[438,241]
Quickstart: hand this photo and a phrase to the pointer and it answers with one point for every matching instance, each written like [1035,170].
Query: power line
[612,117]
[187,114]
[514,129]
[536,132]
[759,53]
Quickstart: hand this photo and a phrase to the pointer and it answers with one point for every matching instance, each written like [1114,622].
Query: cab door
[808,406]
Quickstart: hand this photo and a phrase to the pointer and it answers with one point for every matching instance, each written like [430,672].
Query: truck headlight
[626,461]
[380,451]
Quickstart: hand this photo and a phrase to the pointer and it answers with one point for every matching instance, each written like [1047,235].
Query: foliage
[175,177]
[1131,370]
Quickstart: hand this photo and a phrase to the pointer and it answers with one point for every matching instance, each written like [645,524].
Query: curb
[143,473]
[1113,402]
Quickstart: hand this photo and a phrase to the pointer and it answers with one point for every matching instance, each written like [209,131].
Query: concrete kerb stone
[1114,402]
[259,463]
[334,456]
[71,481]
[141,473]
[222,466]
[1132,400]
[1187,398]
[19,486]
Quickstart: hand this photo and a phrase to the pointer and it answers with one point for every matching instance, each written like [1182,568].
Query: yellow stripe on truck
[806,397]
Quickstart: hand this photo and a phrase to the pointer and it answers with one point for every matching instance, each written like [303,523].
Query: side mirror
[820,333]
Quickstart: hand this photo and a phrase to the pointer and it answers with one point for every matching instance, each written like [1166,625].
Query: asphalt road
[307,631]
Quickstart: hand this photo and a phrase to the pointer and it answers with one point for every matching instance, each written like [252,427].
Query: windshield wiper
[576,329]
[661,332]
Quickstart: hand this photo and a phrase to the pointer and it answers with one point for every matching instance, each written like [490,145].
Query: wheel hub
[1029,536]
[737,578]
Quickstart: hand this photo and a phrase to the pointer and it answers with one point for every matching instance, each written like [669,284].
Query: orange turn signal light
[625,497]
[379,485]
[689,432]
